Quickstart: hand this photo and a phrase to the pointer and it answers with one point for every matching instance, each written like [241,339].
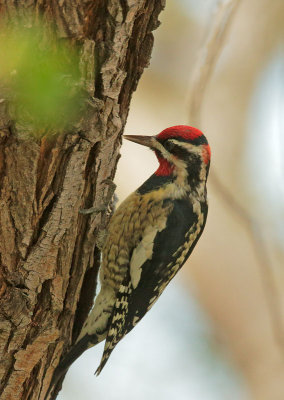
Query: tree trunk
[49,258]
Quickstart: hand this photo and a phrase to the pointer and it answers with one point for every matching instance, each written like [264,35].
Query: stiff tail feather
[103,362]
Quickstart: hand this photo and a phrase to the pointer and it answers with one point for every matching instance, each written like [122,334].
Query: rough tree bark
[49,259]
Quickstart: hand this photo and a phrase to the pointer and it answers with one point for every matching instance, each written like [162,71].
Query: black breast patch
[154,183]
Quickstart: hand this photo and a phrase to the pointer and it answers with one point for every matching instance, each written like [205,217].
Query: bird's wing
[151,269]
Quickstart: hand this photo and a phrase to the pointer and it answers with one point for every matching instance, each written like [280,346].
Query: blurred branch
[261,254]
[218,30]
[225,12]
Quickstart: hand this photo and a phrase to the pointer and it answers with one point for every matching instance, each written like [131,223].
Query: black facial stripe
[178,151]
[199,140]
[193,170]
[154,183]
[158,153]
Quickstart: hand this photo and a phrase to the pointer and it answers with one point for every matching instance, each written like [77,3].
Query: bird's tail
[104,360]
[75,352]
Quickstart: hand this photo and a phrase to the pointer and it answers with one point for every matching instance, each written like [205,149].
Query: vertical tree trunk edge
[49,260]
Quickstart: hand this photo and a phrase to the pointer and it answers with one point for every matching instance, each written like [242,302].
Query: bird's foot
[93,210]
[101,238]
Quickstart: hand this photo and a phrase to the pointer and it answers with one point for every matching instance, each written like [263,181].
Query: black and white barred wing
[154,262]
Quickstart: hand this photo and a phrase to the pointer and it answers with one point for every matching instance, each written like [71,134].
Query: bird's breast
[131,231]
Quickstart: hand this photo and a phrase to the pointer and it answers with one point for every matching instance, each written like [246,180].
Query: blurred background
[218,330]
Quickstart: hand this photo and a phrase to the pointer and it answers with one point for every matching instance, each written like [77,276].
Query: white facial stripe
[181,167]
[168,156]
[158,146]
[197,150]
[191,148]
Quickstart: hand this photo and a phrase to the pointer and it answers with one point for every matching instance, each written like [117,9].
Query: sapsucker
[150,236]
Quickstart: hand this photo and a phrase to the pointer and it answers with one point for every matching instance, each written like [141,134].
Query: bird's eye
[176,150]
[170,146]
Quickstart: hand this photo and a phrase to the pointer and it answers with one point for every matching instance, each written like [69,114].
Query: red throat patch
[165,168]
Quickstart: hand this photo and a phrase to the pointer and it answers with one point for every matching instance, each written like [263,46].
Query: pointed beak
[144,140]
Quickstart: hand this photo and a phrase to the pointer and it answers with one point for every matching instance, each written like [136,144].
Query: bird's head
[182,151]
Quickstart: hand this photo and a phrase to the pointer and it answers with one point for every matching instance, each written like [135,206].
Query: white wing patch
[144,251]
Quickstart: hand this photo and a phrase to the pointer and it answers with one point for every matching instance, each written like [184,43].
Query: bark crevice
[49,255]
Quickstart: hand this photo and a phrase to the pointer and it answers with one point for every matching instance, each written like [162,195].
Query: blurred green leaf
[43,76]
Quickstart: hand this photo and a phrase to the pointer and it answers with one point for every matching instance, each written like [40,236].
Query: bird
[149,238]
